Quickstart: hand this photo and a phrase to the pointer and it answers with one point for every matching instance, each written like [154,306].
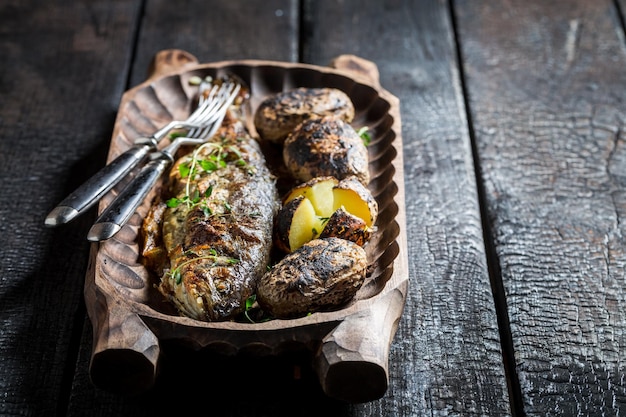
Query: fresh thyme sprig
[216,160]
[248,306]
[365,136]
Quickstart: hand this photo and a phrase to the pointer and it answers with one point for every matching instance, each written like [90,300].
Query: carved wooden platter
[349,346]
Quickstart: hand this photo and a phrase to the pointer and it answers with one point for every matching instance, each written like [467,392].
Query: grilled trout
[209,238]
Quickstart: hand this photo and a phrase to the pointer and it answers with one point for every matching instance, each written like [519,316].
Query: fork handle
[98,185]
[124,205]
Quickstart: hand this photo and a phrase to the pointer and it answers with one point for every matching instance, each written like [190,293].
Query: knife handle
[98,185]
[124,205]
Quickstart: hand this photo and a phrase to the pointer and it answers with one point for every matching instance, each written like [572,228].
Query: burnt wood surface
[65,67]
[512,121]
[548,108]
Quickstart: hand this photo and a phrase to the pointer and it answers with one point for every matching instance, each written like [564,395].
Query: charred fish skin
[217,228]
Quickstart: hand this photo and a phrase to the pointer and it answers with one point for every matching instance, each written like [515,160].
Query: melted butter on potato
[323,274]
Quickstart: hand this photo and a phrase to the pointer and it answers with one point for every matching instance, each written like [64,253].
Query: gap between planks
[493,262]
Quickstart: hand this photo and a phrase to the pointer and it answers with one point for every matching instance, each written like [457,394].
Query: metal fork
[85,196]
[124,205]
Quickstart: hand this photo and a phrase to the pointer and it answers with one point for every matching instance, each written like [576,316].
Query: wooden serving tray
[350,346]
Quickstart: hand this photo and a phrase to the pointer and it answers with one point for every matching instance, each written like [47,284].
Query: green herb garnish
[365,136]
[249,303]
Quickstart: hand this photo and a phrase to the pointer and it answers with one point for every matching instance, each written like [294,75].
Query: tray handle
[352,361]
[168,61]
[125,352]
[358,68]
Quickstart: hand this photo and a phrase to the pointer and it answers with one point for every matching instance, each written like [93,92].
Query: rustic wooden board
[56,55]
[80,44]
[447,353]
[349,345]
[547,88]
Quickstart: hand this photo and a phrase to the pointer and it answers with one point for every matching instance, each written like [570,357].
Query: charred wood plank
[546,97]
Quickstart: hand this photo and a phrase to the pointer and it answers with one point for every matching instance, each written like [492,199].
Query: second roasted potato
[326,147]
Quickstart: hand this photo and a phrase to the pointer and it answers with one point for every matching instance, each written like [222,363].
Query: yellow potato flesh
[321,200]
[352,203]
[305,225]
[321,196]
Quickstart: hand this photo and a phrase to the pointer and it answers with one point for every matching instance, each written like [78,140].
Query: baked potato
[325,207]
[278,115]
[326,147]
[321,275]
[209,235]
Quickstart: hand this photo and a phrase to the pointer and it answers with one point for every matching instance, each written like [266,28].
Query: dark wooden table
[513,117]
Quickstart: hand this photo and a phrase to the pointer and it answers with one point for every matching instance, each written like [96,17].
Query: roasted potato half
[323,274]
[278,115]
[325,207]
[326,147]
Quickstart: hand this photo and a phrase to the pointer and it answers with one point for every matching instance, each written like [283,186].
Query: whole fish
[209,238]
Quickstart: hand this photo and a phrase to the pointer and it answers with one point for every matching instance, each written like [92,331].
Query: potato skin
[283,224]
[326,147]
[346,226]
[322,275]
[277,116]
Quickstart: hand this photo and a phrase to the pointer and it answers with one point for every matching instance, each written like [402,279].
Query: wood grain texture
[546,85]
[57,56]
[546,101]
[446,359]
[216,30]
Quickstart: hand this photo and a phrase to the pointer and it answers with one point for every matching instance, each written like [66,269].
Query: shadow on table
[209,384]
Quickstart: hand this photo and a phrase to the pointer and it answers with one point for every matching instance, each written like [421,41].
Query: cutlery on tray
[214,100]
[124,205]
